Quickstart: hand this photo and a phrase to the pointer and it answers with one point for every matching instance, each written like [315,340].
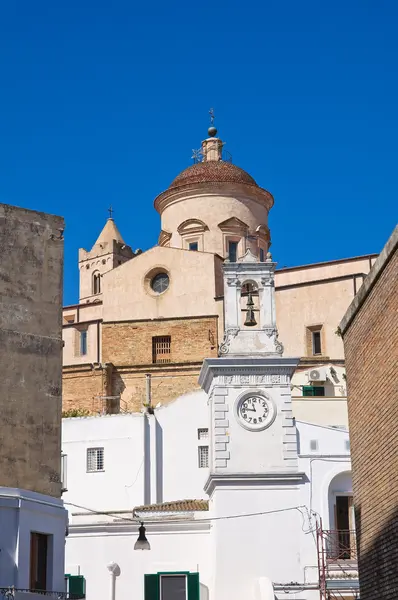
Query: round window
[160,283]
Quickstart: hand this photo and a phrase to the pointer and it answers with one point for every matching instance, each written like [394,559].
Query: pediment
[164,238]
[263,232]
[192,226]
[233,224]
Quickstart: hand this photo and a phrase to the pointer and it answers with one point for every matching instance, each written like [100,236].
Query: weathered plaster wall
[30,349]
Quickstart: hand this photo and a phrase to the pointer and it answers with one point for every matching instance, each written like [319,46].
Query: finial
[110,211]
[212,131]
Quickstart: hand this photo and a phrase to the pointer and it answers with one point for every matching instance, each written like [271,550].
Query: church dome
[212,172]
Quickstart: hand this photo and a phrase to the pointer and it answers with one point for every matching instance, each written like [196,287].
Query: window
[316,342]
[96,283]
[261,254]
[160,283]
[232,251]
[203,457]
[193,246]
[313,445]
[64,463]
[313,390]
[38,561]
[95,460]
[203,434]
[83,342]
[347,445]
[161,349]
[172,586]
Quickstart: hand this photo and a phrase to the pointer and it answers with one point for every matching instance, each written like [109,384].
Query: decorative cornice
[192,226]
[164,237]
[234,190]
[272,365]
[280,477]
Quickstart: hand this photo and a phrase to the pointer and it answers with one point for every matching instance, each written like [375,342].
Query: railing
[340,545]
[10,593]
[338,563]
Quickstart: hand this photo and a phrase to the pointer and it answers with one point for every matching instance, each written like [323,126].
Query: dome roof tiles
[212,171]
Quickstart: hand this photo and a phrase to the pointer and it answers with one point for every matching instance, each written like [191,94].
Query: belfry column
[253,452]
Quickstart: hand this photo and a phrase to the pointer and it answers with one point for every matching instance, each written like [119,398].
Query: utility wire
[138,519]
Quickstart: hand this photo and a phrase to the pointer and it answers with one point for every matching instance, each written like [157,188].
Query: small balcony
[338,564]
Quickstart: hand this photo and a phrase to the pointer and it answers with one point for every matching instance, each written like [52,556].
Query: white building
[232,501]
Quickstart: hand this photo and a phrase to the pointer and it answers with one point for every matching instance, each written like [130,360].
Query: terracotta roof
[176,506]
[212,171]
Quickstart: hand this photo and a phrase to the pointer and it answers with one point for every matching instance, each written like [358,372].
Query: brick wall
[81,388]
[127,352]
[371,349]
[130,343]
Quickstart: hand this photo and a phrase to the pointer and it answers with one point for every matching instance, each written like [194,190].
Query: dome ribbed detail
[212,171]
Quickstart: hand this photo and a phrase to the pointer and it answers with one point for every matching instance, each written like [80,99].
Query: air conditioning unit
[318,375]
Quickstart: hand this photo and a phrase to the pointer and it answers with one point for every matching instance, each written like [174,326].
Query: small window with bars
[161,349]
[203,457]
[95,460]
[203,434]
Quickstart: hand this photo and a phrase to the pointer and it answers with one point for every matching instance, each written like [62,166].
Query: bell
[250,319]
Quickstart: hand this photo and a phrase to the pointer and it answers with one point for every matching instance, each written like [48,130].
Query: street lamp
[142,543]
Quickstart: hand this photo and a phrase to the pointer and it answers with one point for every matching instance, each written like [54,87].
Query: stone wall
[370,331]
[30,349]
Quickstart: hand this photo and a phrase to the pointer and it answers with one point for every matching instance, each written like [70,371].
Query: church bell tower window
[96,283]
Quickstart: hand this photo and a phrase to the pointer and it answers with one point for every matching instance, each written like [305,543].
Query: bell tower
[257,333]
[254,465]
[108,252]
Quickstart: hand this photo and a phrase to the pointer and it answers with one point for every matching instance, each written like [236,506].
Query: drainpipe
[114,571]
[148,399]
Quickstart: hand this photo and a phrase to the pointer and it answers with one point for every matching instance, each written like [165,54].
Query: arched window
[96,283]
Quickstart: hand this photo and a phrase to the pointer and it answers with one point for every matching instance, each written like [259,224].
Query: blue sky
[102,102]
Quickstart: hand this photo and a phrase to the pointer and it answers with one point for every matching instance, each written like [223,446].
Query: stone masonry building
[33,520]
[370,333]
[31,271]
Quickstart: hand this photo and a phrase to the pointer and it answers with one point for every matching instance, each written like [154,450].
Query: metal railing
[9,593]
[337,563]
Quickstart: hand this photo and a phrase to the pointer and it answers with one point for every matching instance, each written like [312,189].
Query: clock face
[255,412]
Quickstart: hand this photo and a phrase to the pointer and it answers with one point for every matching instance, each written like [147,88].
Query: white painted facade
[189,543]
[268,480]
[21,513]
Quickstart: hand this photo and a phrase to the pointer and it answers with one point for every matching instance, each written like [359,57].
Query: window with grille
[203,434]
[95,460]
[313,445]
[203,457]
[161,349]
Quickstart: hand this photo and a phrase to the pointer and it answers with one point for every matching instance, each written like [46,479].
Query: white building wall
[21,513]
[131,461]
[170,552]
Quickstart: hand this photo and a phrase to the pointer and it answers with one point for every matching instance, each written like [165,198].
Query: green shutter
[193,586]
[151,587]
[77,586]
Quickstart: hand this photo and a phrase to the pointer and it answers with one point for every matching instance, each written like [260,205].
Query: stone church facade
[145,321]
